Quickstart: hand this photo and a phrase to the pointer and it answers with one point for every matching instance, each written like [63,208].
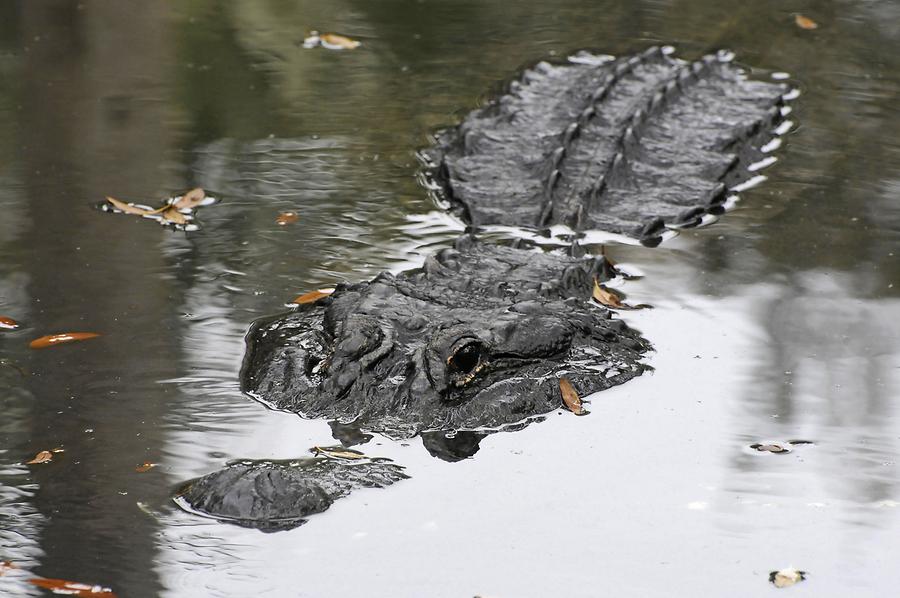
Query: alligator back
[625,145]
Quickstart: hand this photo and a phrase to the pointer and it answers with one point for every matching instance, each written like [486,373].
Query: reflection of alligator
[478,338]
[277,495]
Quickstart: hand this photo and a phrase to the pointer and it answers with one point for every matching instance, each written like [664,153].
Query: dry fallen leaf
[41,457]
[313,296]
[338,452]
[51,340]
[178,211]
[333,41]
[285,218]
[6,566]
[190,200]
[8,323]
[72,588]
[570,397]
[606,297]
[172,215]
[129,208]
[805,22]
[145,467]
[786,577]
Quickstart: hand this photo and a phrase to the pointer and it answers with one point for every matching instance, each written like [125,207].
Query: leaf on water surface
[611,299]
[604,296]
[51,340]
[41,457]
[805,22]
[570,397]
[145,467]
[331,41]
[786,577]
[178,211]
[313,296]
[173,216]
[72,588]
[8,323]
[128,208]
[190,200]
[285,218]
[337,452]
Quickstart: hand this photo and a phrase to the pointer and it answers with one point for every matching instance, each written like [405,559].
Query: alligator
[628,146]
[478,338]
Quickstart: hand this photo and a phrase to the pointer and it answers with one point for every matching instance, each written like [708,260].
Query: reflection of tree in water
[825,372]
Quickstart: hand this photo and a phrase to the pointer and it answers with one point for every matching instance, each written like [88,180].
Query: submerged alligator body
[478,339]
[625,145]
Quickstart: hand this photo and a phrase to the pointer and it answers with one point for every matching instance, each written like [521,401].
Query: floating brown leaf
[313,296]
[173,216]
[786,577]
[805,22]
[8,323]
[337,452]
[41,457]
[72,588]
[190,200]
[285,218]
[6,566]
[145,467]
[130,208]
[604,296]
[51,340]
[333,41]
[570,397]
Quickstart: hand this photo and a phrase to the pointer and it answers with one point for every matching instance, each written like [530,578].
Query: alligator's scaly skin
[626,145]
[476,338]
[279,495]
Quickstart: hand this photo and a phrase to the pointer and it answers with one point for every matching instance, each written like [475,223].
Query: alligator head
[476,338]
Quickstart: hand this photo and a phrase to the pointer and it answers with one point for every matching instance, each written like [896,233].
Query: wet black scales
[626,146]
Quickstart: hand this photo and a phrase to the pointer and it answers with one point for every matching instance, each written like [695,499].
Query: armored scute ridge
[476,338]
[627,146]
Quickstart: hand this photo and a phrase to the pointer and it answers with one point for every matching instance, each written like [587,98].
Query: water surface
[778,322]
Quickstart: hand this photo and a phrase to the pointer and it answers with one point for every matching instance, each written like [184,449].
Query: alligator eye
[465,362]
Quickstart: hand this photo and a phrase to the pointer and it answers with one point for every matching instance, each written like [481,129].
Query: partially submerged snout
[475,339]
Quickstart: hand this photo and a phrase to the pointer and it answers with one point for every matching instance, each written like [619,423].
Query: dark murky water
[780,321]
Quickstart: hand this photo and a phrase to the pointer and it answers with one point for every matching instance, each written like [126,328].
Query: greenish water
[780,321]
